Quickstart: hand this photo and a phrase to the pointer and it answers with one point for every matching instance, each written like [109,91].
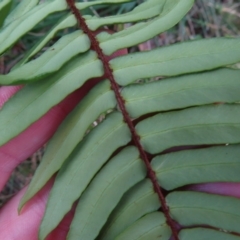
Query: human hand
[25,226]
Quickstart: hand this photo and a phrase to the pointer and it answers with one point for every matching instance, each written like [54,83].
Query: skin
[25,225]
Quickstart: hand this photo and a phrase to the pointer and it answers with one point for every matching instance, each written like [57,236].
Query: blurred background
[207,19]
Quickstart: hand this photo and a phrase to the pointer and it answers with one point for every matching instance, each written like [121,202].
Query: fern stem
[136,139]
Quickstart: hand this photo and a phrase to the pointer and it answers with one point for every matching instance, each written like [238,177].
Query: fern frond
[122,172]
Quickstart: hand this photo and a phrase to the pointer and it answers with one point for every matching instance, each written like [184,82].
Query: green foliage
[5,7]
[102,166]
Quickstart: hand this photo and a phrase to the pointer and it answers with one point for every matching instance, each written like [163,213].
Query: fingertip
[222,188]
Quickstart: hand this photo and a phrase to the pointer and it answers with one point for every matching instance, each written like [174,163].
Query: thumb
[26,225]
